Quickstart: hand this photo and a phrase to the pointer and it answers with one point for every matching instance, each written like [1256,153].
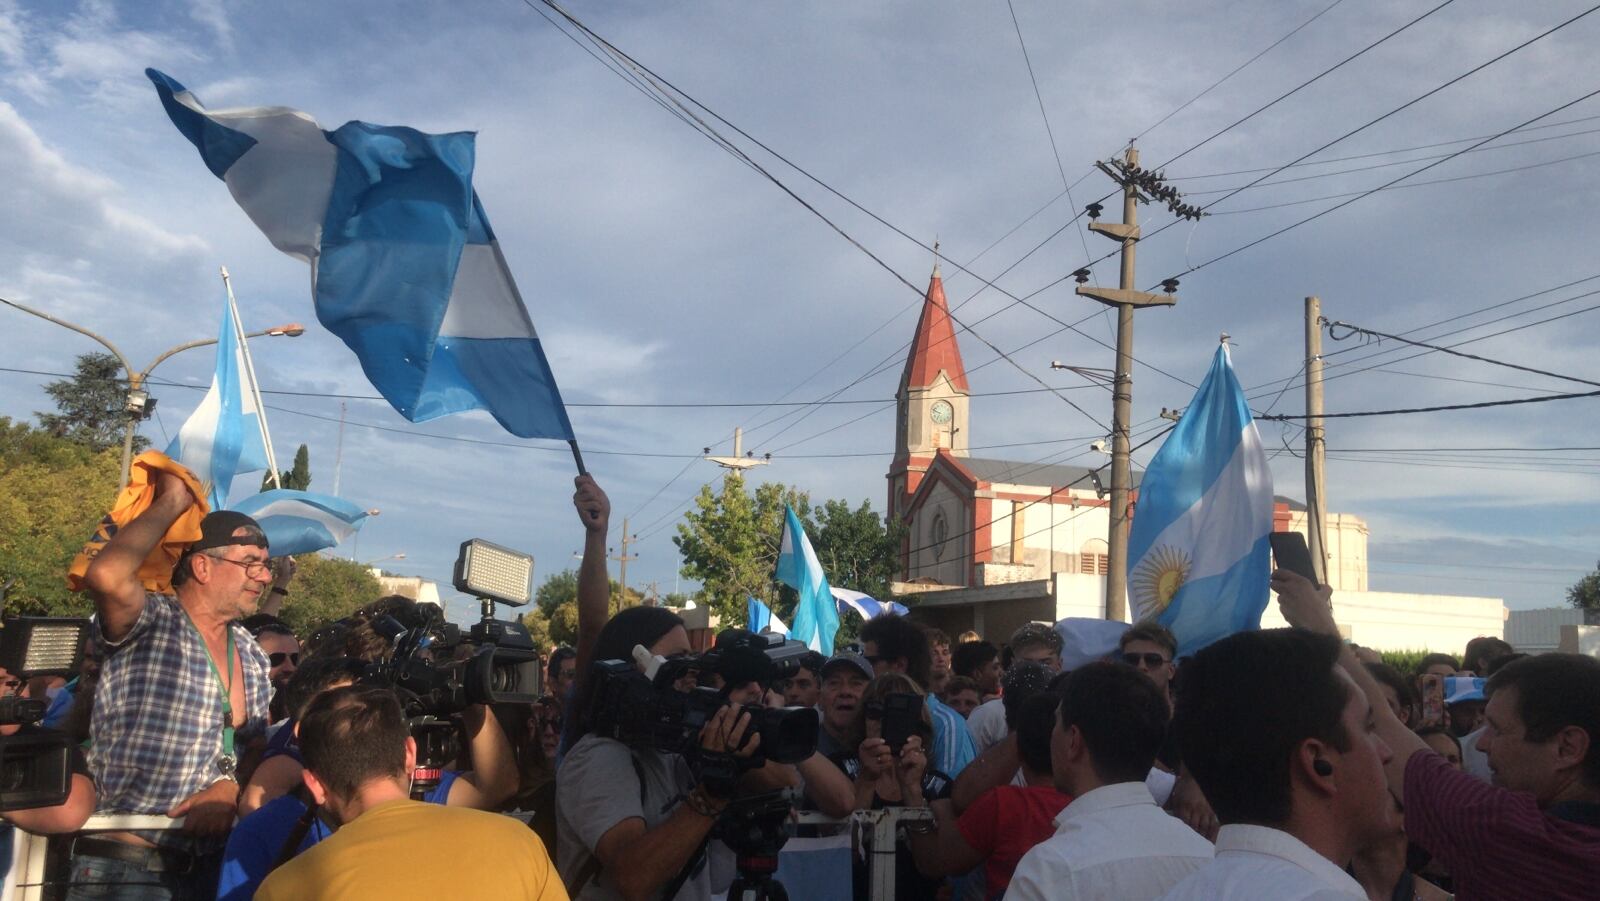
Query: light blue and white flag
[1198,558]
[758,618]
[404,266]
[866,606]
[815,618]
[222,437]
[299,522]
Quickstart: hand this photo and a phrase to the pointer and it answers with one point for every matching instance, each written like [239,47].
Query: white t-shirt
[1258,862]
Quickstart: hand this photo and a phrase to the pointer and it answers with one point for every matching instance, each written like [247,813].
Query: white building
[992,544]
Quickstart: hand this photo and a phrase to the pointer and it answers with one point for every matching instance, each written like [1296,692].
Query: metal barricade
[29,871]
[875,831]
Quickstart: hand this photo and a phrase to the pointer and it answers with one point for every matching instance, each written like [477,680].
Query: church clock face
[941,412]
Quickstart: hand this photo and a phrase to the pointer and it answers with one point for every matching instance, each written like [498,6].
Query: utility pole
[1316,444]
[1138,186]
[740,461]
[622,559]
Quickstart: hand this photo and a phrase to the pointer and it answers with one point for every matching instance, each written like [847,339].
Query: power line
[1305,84]
[1356,329]
[1368,193]
[1475,406]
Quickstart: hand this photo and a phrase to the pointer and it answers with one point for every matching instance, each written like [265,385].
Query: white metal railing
[27,877]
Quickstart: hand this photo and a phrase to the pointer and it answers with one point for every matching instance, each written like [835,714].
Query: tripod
[755,882]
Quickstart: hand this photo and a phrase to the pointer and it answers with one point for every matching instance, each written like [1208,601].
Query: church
[991,544]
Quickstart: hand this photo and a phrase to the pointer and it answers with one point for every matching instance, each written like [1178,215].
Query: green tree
[298,478]
[729,542]
[1585,594]
[325,589]
[856,549]
[53,492]
[554,617]
[89,405]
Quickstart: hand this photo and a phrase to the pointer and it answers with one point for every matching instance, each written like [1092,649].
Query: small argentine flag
[815,618]
[759,618]
[404,266]
[222,437]
[865,605]
[299,522]
[1198,558]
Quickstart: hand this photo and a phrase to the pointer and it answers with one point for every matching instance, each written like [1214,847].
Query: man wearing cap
[183,690]
[845,678]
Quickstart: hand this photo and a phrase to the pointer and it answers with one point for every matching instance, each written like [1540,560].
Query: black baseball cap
[217,529]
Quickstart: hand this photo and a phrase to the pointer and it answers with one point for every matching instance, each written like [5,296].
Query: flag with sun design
[1198,558]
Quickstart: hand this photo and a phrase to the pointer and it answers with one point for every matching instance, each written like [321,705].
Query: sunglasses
[1150,659]
[277,658]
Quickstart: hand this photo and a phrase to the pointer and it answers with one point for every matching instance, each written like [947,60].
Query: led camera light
[490,571]
[42,645]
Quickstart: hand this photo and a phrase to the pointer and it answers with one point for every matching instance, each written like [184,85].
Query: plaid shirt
[157,723]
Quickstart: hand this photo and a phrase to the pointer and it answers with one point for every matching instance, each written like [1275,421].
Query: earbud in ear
[1322,767]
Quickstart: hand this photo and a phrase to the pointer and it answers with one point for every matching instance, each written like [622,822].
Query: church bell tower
[931,410]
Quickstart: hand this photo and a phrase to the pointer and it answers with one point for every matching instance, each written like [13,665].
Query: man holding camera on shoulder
[359,757]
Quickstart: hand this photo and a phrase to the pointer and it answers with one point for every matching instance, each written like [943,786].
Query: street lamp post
[138,406]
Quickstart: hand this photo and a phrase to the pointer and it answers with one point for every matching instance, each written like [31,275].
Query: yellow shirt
[409,849]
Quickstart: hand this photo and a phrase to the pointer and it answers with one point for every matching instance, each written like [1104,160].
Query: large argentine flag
[299,522]
[404,266]
[865,605]
[815,619]
[222,437]
[1198,558]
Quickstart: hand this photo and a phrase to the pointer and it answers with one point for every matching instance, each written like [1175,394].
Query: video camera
[646,710]
[433,685]
[36,766]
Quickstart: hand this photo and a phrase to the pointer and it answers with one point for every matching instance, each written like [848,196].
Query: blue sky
[660,270]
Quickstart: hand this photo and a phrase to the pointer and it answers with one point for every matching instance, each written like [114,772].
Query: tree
[729,542]
[53,492]
[90,405]
[298,478]
[325,589]
[856,549]
[554,617]
[1585,594]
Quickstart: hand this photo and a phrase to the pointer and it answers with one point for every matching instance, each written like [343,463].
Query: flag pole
[577,456]
[250,379]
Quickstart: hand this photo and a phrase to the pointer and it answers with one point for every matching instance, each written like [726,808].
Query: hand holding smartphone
[1290,551]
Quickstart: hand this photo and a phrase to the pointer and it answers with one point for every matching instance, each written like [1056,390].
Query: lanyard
[228,758]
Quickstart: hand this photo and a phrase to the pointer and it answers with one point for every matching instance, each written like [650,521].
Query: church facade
[993,543]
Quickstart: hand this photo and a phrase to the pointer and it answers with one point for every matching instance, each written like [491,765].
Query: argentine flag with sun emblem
[1198,558]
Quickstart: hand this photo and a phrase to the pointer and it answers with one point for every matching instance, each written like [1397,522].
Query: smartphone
[1431,688]
[1289,549]
[900,716]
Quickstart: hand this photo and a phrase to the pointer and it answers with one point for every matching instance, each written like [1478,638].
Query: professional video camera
[433,685]
[36,766]
[645,709]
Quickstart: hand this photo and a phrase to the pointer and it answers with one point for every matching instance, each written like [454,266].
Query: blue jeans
[100,879]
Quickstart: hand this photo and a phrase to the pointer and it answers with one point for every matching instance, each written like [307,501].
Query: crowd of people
[1274,764]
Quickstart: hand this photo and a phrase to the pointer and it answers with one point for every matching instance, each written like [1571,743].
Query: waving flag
[758,617]
[299,522]
[815,618]
[222,438]
[404,266]
[1198,558]
[865,605]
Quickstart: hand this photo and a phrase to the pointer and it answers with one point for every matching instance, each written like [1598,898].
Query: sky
[666,274]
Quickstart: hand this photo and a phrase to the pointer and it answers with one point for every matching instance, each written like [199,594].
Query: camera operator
[359,760]
[68,816]
[629,820]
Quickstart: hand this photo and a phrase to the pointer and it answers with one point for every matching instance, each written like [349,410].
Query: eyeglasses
[277,657]
[253,569]
[9,686]
[1149,659]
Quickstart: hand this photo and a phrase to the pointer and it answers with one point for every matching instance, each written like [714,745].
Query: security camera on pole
[1138,186]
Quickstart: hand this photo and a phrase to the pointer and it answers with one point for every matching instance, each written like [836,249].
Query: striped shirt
[157,721]
[1497,843]
[952,743]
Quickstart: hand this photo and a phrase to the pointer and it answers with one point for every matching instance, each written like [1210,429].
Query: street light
[139,406]
[399,556]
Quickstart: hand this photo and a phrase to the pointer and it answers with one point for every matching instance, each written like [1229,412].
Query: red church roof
[935,346]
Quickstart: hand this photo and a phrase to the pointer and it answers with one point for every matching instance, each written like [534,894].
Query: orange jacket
[134,499]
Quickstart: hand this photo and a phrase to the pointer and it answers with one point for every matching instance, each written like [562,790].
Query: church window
[939,532]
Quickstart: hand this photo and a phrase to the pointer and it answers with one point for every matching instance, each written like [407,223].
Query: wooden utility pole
[1125,298]
[622,560]
[1316,444]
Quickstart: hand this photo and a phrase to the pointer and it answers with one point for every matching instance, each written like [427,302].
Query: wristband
[702,803]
